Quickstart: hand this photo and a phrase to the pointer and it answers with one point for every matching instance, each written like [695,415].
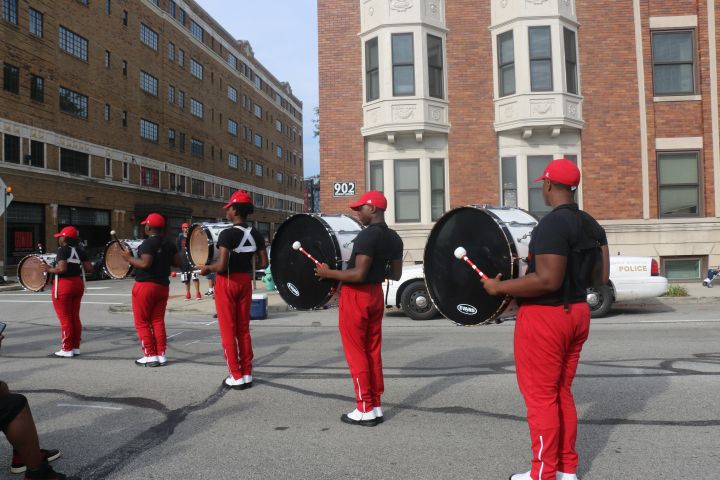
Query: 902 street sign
[344,189]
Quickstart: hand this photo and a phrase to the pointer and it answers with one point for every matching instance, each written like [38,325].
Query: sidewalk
[697,293]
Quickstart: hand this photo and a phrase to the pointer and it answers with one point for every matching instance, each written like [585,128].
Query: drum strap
[247,244]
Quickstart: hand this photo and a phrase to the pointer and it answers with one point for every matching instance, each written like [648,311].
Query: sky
[283,35]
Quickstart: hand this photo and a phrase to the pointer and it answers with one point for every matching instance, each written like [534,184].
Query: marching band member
[186,270]
[152,288]
[376,255]
[68,288]
[233,288]
[568,254]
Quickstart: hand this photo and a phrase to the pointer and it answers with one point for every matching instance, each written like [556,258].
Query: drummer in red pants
[376,255]
[152,288]
[233,288]
[568,254]
[68,288]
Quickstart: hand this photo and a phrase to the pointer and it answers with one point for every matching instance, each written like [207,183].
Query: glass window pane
[407,206]
[540,42]
[507,82]
[435,57]
[407,176]
[404,80]
[506,52]
[569,38]
[509,182]
[536,167]
[437,174]
[674,79]
[437,205]
[682,269]
[678,168]
[536,203]
[679,201]
[672,47]
[541,75]
[402,48]
[376,176]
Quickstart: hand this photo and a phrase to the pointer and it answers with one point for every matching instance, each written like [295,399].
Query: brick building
[442,104]
[112,109]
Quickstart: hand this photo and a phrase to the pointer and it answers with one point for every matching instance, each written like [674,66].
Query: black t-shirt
[182,248]
[557,234]
[243,244]
[74,256]
[382,244]
[162,251]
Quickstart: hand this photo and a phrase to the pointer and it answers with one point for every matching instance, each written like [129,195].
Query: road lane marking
[175,334]
[43,294]
[98,407]
[50,301]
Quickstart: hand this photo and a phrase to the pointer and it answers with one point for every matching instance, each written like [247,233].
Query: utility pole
[8,191]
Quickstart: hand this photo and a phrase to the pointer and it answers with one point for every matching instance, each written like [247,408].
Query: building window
[506,63]
[148,130]
[197,31]
[248,165]
[508,167]
[37,88]
[372,71]
[148,83]
[279,151]
[407,191]
[73,102]
[196,69]
[171,94]
[181,99]
[125,68]
[37,154]
[73,44]
[258,170]
[171,51]
[108,167]
[435,66]
[124,118]
[149,177]
[681,268]
[673,56]
[377,176]
[232,127]
[181,141]
[571,75]
[197,148]
[196,108]
[679,184]
[535,168]
[125,170]
[108,7]
[125,18]
[232,94]
[232,60]
[403,64]
[197,187]
[540,59]
[11,78]
[437,188]
[171,7]
[10,11]
[148,36]
[258,111]
[106,112]
[181,57]
[278,126]
[36,23]
[258,140]
[171,137]
[74,162]
[232,160]
[11,147]
[107,59]
[279,179]
[181,16]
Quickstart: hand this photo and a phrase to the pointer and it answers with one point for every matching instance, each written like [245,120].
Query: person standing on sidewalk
[187,275]
[568,254]
[152,288]
[233,288]
[376,255]
[68,288]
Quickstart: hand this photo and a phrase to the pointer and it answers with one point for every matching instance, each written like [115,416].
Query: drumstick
[461,254]
[298,246]
[113,234]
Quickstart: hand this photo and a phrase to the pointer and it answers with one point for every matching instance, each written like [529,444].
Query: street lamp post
[8,191]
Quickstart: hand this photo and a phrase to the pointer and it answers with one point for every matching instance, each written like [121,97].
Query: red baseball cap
[69,232]
[185,225]
[241,196]
[562,171]
[155,220]
[373,197]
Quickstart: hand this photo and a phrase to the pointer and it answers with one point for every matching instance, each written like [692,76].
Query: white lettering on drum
[467,309]
[293,289]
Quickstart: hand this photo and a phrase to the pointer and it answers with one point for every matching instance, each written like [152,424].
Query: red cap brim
[228,205]
[541,177]
[58,235]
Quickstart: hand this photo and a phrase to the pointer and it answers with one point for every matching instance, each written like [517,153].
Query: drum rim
[23,260]
[122,243]
[208,236]
[514,266]
[338,251]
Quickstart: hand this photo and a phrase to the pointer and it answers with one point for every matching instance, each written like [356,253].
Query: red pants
[547,344]
[70,291]
[148,304]
[233,297]
[361,314]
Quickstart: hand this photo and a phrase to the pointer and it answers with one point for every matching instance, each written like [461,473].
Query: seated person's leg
[19,428]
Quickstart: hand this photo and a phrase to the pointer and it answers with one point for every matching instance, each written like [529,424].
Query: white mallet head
[112,232]
[460,252]
[296,245]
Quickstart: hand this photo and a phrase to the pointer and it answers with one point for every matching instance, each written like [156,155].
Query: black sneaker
[46,472]
[18,466]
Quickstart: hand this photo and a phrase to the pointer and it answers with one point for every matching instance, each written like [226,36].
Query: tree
[316,122]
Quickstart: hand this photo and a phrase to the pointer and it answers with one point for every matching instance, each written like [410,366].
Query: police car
[631,279]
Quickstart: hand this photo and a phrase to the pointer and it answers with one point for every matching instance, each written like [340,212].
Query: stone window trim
[692,61]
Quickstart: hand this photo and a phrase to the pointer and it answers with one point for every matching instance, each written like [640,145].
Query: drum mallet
[298,246]
[461,254]
[113,234]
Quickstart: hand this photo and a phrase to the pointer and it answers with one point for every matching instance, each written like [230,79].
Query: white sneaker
[64,353]
[76,351]
[521,476]
[162,360]
[356,417]
[247,378]
[238,384]
[147,362]
[565,476]
[378,414]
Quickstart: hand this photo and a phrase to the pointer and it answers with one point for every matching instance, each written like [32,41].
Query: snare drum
[30,273]
[329,239]
[202,243]
[114,265]
[496,240]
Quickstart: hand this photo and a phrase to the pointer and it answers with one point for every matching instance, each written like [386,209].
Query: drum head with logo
[454,287]
[30,273]
[293,272]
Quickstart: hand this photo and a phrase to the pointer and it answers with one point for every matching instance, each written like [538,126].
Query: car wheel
[416,302]
[600,300]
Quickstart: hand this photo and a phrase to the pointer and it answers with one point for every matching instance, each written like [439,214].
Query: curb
[13,287]
[688,300]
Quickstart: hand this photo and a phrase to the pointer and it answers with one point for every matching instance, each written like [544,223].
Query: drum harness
[246,245]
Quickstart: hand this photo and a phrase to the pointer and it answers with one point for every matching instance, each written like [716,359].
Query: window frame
[434,68]
[73,44]
[81,109]
[196,69]
[372,72]
[547,28]
[149,83]
[11,78]
[503,65]
[197,108]
[571,74]
[149,37]
[396,165]
[396,65]
[693,63]
[10,11]
[36,18]
[149,130]
[699,185]
[434,189]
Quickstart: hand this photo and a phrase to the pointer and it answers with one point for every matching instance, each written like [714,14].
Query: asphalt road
[647,391]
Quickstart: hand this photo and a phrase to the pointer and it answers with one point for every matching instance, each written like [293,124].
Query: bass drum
[30,274]
[329,239]
[114,265]
[202,241]
[496,240]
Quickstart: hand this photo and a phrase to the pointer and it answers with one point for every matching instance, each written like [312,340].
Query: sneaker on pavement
[248,381]
[521,476]
[378,414]
[64,353]
[208,293]
[162,360]
[565,476]
[76,351]
[231,382]
[18,466]
[198,296]
[147,362]
[45,472]
[356,417]
[187,296]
